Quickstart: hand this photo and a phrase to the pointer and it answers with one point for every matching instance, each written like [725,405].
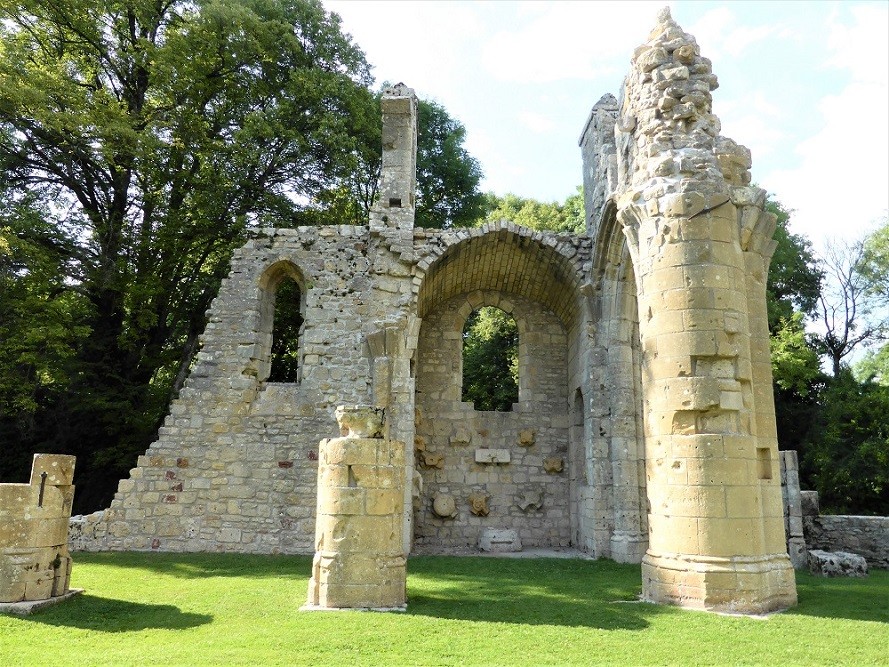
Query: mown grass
[198,609]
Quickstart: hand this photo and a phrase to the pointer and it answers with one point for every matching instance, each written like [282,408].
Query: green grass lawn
[198,609]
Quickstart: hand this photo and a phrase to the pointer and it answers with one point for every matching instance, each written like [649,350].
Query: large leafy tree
[150,136]
[545,216]
[490,360]
[447,175]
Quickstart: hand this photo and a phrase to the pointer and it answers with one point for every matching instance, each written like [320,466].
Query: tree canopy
[143,140]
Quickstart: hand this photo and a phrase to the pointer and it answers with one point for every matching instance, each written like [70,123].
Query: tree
[447,175]
[544,216]
[850,302]
[847,457]
[159,133]
[490,360]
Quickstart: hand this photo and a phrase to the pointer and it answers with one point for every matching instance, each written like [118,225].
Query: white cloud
[720,34]
[421,44]
[753,121]
[558,41]
[842,182]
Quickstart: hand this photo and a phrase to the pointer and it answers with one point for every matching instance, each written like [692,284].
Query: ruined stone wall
[233,468]
[34,559]
[515,464]
[867,536]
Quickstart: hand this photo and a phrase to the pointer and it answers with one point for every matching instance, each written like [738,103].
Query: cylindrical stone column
[359,559]
[700,248]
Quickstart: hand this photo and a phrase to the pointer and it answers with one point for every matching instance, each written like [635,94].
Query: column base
[628,547]
[739,585]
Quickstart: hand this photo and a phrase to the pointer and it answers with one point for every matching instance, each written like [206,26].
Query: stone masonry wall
[515,464]
[234,466]
[867,536]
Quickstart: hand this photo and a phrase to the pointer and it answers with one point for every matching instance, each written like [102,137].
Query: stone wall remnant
[34,559]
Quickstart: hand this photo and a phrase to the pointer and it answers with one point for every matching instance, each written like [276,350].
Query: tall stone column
[359,560]
[700,245]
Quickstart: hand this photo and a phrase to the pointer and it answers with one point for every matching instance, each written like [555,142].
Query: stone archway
[499,470]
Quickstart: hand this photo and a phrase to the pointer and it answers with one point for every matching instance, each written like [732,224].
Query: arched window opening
[285,332]
[491,360]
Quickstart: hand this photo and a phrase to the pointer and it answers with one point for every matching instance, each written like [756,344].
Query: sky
[802,84]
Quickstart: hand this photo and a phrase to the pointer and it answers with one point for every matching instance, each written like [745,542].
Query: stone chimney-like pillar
[398,176]
[700,245]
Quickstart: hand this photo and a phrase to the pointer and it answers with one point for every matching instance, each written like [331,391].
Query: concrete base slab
[29,606]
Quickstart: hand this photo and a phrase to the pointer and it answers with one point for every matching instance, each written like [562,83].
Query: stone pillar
[793,510]
[398,175]
[699,242]
[34,559]
[359,560]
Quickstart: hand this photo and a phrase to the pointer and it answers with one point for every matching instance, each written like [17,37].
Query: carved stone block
[478,503]
[462,436]
[444,506]
[430,460]
[554,464]
[499,540]
[531,499]
[526,438]
[492,456]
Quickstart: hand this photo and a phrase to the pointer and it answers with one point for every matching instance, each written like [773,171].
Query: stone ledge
[29,606]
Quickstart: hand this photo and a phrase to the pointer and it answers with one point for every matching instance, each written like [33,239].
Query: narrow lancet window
[285,332]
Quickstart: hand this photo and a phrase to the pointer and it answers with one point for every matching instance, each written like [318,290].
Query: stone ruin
[359,559]
[35,565]
[644,429]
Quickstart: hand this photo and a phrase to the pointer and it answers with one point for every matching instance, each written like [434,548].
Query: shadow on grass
[563,592]
[89,612]
[856,599]
[203,565]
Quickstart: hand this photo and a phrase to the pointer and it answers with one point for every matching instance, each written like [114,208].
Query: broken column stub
[700,244]
[359,559]
[34,560]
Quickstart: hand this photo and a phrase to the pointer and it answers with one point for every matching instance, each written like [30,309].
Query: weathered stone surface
[444,505]
[492,456]
[478,503]
[35,563]
[359,560]
[836,564]
[499,540]
[809,503]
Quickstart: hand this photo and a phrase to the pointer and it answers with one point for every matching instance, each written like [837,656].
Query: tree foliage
[847,458]
[447,175]
[149,136]
[544,216]
[490,360]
